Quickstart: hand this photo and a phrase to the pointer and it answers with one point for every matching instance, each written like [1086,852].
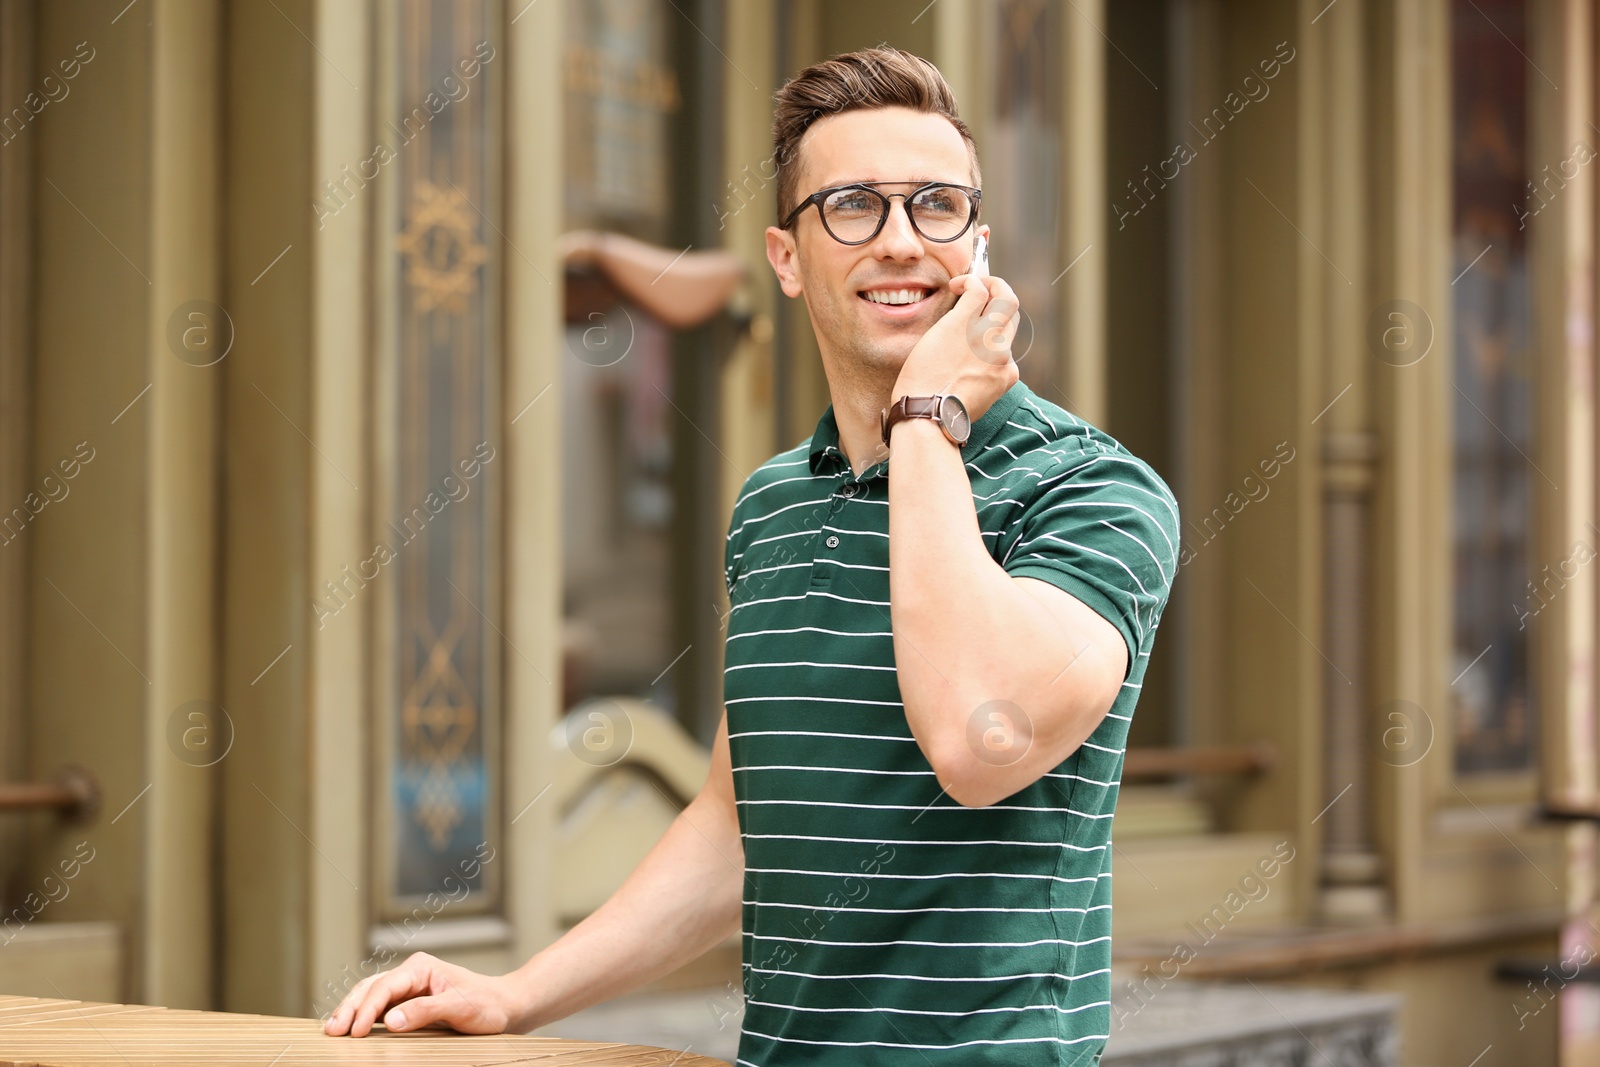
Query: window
[1023,181]
[642,566]
[1143,346]
[438,457]
[1496,601]
[617,502]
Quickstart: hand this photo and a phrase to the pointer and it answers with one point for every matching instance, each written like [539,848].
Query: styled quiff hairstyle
[856,81]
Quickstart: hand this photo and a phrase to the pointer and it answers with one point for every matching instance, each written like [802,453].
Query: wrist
[945,410]
[917,389]
[901,438]
[519,990]
[918,427]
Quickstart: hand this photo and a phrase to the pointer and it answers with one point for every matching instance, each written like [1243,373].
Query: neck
[858,399]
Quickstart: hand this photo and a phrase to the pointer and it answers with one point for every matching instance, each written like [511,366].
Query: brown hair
[856,81]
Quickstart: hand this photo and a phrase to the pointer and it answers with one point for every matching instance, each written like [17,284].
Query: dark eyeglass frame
[975,195]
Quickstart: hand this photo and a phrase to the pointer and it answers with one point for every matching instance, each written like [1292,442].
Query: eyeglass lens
[939,213]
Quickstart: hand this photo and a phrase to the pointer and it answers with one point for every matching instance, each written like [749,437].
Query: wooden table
[35,1032]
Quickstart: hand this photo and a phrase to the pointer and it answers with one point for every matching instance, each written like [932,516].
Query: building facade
[332,482]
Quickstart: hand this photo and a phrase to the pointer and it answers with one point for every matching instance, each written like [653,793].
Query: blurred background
[376,379]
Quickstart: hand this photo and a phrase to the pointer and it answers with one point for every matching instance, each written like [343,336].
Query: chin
[886,357]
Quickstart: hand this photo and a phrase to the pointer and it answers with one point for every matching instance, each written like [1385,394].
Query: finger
[1010,324]
[413,1014]
[1001,310]
[974,294]
[1000,290]
[392,987]
[1000,301]
[988,335]
[452,1008]
[995,347]
[339,1019]
[1000,320]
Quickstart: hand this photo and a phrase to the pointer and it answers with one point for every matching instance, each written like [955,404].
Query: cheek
[831,278]
[824,296]
[818,281]
[956,257]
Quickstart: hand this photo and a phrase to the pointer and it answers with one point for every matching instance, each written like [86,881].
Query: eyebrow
[891,181]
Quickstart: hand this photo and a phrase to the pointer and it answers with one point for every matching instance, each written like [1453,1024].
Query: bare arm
[698,285]
[991,715]
[683,899]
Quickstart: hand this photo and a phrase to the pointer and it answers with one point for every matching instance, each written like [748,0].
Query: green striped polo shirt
[883,922]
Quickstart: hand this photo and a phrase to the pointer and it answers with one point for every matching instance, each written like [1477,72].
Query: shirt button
[849,490]
[833,541]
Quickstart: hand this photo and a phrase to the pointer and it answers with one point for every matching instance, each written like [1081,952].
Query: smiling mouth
[896,297]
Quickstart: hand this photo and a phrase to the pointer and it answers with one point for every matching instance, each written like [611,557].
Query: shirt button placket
[839,496]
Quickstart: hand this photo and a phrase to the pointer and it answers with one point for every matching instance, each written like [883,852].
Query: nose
[898,240]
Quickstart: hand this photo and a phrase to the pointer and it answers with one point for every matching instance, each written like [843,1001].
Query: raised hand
[968,351]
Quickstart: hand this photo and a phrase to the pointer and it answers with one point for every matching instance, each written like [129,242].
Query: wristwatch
[944,408]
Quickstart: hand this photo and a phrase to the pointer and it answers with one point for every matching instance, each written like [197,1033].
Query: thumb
[986,333]
[974,292]
[451,1007]
[418,1012]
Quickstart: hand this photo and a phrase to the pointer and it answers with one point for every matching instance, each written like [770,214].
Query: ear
[784,256]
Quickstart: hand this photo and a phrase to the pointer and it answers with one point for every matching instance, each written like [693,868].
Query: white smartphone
[980,257]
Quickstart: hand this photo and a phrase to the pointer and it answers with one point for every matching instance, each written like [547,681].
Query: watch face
[953,414]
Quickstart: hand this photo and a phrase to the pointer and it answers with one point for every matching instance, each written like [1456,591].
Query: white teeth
[894,296]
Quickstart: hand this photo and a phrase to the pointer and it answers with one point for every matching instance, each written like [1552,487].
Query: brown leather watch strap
[908,407]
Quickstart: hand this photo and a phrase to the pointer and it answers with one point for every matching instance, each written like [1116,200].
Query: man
[929,676]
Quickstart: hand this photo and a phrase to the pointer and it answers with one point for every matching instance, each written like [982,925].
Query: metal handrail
[74,794]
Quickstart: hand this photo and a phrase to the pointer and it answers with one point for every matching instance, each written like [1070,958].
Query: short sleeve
[1104,528]
[733,549]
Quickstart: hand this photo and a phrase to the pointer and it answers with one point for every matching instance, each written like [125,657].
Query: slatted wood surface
[35,1032]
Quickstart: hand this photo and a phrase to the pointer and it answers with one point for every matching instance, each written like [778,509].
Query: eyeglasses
[854,214]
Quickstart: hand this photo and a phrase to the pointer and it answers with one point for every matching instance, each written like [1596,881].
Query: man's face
[883,145]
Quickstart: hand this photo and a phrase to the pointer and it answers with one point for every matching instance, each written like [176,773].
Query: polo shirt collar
[825,440]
